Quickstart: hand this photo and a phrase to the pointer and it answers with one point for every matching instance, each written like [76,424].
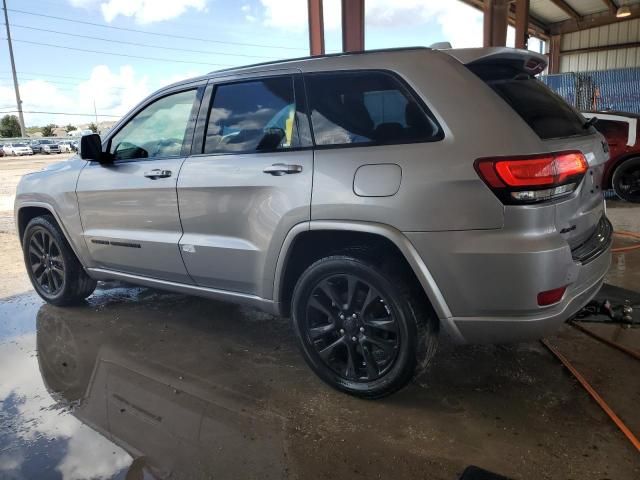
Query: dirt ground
[138,383]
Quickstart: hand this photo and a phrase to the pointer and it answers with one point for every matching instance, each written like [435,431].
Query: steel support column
[316,28]
[352,25]
[496,14]
[554,54]
[522,23]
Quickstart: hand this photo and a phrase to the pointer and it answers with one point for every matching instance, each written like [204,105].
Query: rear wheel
[626,180]
[360,329]
[55,272]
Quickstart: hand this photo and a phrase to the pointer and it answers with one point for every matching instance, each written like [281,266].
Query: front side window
[367,108]
[157,131]
[253,116]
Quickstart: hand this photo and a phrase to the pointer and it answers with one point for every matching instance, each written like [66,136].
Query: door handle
[157,173]
[278,169]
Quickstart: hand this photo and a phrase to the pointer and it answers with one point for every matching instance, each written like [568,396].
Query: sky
[116,52]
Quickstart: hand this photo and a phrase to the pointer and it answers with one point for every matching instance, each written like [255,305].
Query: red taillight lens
[533,179]
[551,296]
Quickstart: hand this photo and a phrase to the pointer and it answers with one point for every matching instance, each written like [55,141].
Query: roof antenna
[440,45]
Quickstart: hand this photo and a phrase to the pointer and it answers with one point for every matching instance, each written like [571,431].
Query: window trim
[408,91]
[188,134]
[197,149]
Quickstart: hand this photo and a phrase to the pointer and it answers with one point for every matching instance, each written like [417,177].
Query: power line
[164,35]
[122,54]
[67,113]
[56,82]
[102,39]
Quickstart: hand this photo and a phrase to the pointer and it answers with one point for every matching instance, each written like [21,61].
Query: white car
[17,149]
[65,146]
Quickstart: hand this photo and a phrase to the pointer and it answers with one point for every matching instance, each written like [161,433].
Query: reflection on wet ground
[143,384]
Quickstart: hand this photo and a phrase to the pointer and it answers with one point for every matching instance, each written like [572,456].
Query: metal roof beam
[566,8]
[591,21]
[611,5]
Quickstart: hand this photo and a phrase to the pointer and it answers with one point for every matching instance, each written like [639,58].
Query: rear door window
[253,116]
[366,108]
[544,111]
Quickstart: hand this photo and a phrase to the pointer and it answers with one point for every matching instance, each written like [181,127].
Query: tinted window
[366,107]
[544,111]
[157,131]
[259,115]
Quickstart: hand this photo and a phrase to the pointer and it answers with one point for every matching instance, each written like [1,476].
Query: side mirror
[91,149]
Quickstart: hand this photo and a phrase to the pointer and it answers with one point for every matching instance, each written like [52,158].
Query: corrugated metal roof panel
[587,7]
[546,11]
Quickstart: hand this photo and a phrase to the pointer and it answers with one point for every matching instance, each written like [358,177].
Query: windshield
[46,142]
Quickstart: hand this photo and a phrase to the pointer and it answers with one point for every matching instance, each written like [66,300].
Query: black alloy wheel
[364,329]
[46,262]
[351,327]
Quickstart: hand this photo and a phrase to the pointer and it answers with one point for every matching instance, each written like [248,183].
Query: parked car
[409,193]
[65,146]
[45,146]
[622,171]
[1,150]
[17,149]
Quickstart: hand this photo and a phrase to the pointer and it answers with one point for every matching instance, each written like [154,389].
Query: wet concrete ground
[150,384]
[141,384]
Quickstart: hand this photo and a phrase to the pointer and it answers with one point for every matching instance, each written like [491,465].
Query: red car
[622,171]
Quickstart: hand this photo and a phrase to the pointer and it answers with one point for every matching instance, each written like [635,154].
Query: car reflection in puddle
[109,393]
[171,422]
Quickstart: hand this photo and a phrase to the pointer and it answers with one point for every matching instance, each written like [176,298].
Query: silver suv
[378,199]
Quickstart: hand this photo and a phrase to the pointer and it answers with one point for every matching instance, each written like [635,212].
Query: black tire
[55,272]
[389,341]
[626,180]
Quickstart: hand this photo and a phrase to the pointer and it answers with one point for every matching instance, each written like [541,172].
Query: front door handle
[278,169]
[157,173]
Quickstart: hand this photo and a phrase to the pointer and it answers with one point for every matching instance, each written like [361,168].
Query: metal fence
[599,90]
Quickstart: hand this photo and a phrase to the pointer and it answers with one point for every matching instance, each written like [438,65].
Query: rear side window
[253,116]
[544,111]
[366,108]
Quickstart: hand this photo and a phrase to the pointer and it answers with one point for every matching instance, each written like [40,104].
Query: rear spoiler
[525,60]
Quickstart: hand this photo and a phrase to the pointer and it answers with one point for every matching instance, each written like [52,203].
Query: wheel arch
[27,211]
[310,241]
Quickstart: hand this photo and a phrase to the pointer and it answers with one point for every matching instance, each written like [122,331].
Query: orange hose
[604,340]
[626,234]
[596,396]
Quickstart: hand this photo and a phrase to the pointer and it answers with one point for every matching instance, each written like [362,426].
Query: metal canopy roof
[553,11]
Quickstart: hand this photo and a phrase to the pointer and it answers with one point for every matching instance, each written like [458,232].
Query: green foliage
[93,127]
[47,130]
[69,128]
[9,126]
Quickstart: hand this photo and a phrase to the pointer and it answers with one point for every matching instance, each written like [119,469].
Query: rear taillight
[533,179]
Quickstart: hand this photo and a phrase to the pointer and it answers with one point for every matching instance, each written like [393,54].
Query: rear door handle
[157,173]
[278,169]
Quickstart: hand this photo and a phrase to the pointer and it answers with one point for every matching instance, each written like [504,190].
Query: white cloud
[148,11]
[460,23]
[114,92]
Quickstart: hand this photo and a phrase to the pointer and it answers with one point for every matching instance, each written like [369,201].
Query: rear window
[543,110]
[366,107]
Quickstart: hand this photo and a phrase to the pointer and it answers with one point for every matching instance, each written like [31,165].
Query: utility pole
[95,112]
[13,69]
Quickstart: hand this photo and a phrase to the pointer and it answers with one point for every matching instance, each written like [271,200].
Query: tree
[47,130]
[69,128]
[93,127]
[10,126]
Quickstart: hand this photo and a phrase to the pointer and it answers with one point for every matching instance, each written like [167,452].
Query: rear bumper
[490,281]
[532,327]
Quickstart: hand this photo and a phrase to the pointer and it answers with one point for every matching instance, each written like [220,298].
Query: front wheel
[361,330]
[55,272]
[626,180]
